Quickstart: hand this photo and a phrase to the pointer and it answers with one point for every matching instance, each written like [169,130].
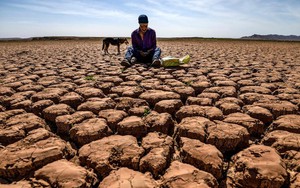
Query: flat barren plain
[71,116]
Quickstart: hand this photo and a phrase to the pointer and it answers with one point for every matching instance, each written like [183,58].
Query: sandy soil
[72,117]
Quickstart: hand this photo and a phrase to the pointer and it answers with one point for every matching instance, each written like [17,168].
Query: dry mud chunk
[271,86]
[225,83]
[209,112]
[125,103]
[17,98]
[150,83]
[199,101]
[292,160]
[169,106]
[19,184]
[7,91]
[127,91]
[21,158]
[230,100]
[159,122]
[228,108]
[163,88]
[227,137]
[290,123]
[136,78]
[95,105]
[155,140]
[7,114]
[250,98]
[26,121]
[125,177]
[83,82]
[203,156]
[49,93]
[30,77]
[194,127]
[49,79]
[288,96]
[33,137]
[11,135]
[295,180]
[89,130]
[63,173]
[64,123]
[105,87]
[2,108]
[13,85]
[254,126]
[26,105]
[287,90]
[89,92]
[113,117]
[154,96]
[129,83]
[213,96]
[139,111]
[259,113]
[159,147]
[228,91]
[279,108]
[16,127]
[54,111]
[110,152]
[38,107]
[185,175]
[163,76]
[296,102]
[255,89]
[30,87]
[200,86]
[257,166]
[72,99]
[132,125]
[282,141]
[114,79]
[66,85]
[217,75]
[173,83]
[184,92]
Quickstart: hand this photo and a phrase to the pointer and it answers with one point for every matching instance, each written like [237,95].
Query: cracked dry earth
[71,117]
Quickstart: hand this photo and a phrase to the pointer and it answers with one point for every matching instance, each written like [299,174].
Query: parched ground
[72,117]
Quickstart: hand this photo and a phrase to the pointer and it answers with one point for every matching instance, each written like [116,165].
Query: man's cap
[143,18]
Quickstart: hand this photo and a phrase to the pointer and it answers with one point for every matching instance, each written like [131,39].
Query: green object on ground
[173,61]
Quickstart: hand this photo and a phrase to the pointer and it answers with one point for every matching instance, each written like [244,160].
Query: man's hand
[144,54]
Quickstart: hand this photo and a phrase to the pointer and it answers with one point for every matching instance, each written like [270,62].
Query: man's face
[143,27]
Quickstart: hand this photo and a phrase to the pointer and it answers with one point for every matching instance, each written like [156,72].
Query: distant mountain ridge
[273,37]
[270,37]
[49,38]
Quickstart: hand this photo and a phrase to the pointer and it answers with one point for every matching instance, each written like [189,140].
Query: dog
[114,42]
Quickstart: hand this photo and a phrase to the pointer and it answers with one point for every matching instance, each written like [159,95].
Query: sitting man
[143,47]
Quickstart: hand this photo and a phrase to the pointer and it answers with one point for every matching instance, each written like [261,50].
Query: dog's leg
[119,49]
[103,47]
[106,49]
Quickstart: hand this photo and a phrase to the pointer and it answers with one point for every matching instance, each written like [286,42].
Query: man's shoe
[156,63]
[125,62]
[133,60]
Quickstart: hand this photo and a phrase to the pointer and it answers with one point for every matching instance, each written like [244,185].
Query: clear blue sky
[170,18]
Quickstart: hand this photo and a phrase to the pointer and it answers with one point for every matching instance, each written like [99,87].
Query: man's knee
[157,53]
[130,48]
